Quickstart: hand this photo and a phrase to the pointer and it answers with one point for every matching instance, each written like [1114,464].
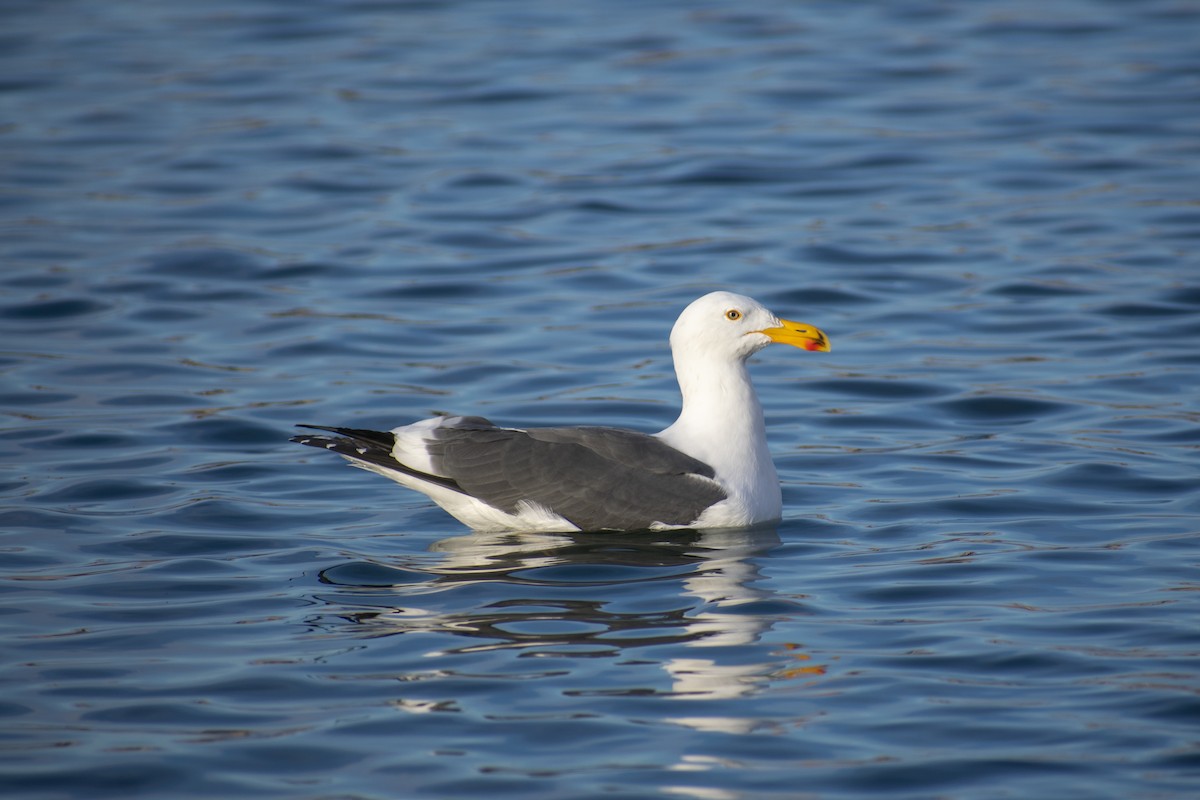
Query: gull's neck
[721,423]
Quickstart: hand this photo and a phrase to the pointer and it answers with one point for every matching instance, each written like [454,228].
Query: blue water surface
[220,219]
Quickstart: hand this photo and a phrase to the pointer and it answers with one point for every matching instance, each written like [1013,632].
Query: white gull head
[724,326]
[721,421]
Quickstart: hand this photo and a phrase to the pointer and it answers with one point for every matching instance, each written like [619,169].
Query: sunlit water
[224,218]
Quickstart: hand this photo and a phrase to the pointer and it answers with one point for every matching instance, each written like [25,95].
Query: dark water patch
[104,490]
[736,172]
[1004,504]
[194,296]
[1136,310]
[841,255]
[1062,327]
[476,240]
[119,372]
[21,400]
[32,520]
[288,760]
[1178,710]
[234,473]
[1034,27]
[222,433]
[840,188]
[1036,290]
[247,688]
[14,710]
[1146,260]
[498,96]
[366,575]
[1185,329]
[859,422]
[153,588]
[135,287]
[25,560]
[327,349]
[207,515]
[970,463]
[911,110]
[1188,220]
[878,389]
[208,264]
[151,400]
[690,248]
[154,625]
[484,180]
[106,443]
[325,151]
[132,776]
[986,662]
[909,594]
[1099,166]
[1007,410]
[818,297]
[531,263]
[186,568]
[175,715]
[172,315]
[947,774]
[46,280]
[604,206]
[26,83]
[884,160]
[179,188]
[51,310]
[797,93]
[136,461]
[1183,433]
[347,185]
[597,281]
[1103,478]
[1183,296]
[444,291]
[306,271]
[1028,181]
[100,140]
[187,545]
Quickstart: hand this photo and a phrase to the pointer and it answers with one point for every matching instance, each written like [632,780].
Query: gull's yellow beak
[797,334]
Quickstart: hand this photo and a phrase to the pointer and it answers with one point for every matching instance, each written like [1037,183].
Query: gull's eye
[733,315]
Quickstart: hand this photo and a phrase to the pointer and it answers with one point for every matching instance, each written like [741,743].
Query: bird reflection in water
[643,598]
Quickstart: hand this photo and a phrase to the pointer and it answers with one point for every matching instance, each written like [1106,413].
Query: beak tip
[798,334]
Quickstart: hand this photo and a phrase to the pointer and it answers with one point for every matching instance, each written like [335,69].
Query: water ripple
[223,222]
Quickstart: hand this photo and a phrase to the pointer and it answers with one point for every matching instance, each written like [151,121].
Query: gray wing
[594,477]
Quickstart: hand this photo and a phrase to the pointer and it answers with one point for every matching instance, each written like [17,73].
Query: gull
[710,469]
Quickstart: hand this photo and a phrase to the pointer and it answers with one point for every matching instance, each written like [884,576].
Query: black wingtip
[313,440]
[384,439]
[371,447]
